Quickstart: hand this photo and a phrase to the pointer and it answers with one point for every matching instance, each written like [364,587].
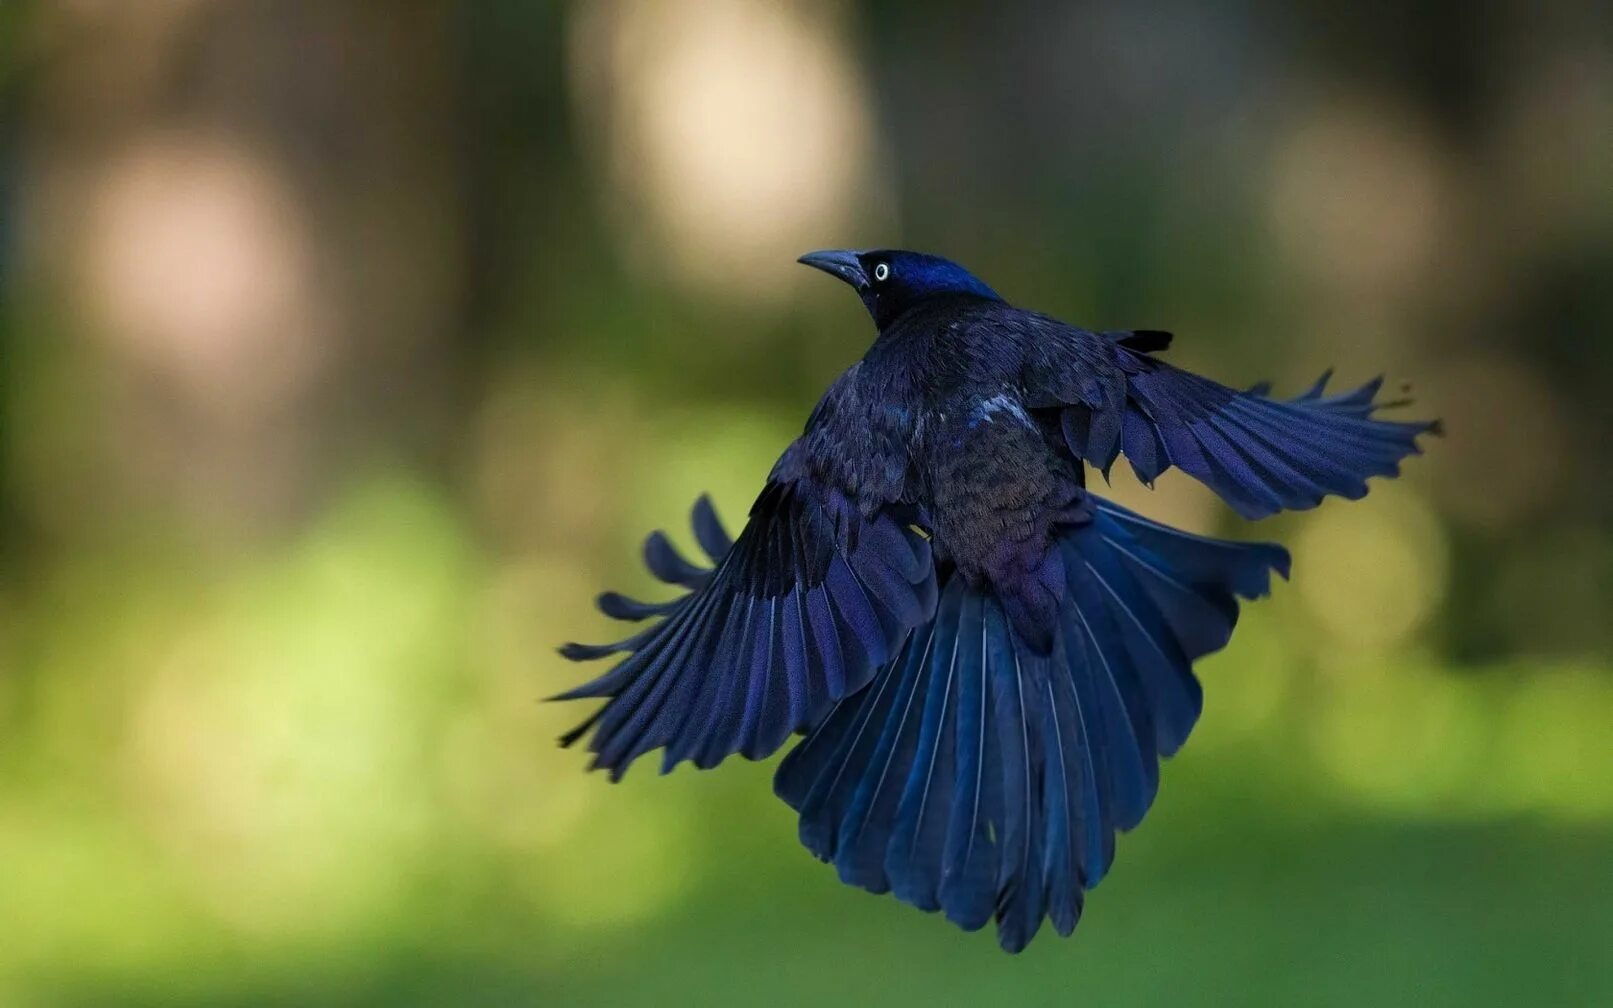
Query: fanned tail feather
[977,777]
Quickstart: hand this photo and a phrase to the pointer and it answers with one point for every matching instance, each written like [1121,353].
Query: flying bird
[987,659]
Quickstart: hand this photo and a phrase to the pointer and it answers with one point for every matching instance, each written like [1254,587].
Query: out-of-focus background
[347,349]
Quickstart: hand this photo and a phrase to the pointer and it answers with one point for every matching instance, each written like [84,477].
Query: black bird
[988,658]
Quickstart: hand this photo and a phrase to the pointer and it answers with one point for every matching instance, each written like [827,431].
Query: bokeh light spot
[1371,576]
[200,266]
[735,134]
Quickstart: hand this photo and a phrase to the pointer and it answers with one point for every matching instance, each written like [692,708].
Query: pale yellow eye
[882,272]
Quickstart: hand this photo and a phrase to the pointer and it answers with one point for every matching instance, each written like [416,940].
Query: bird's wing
[818,591]
[1261,454]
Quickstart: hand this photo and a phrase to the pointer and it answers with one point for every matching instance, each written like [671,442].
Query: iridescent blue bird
[988,659]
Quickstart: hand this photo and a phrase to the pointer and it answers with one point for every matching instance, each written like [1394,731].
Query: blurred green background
[347,349]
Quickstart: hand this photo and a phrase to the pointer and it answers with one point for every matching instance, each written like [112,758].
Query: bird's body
[938,407]
[988,658]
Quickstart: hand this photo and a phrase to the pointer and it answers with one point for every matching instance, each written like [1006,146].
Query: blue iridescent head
[890,281]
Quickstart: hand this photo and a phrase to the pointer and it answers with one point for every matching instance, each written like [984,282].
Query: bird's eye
[882,272]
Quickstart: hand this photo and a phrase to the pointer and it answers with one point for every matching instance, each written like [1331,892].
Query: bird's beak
[842,263]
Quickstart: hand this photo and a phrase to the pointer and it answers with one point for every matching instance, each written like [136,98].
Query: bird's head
[890,281]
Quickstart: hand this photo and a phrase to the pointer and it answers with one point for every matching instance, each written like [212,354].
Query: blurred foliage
[347,349]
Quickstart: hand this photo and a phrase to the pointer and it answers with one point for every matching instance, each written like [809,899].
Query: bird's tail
[978,777]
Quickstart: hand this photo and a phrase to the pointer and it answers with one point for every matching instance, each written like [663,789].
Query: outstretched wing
[1261,454]
[818,591]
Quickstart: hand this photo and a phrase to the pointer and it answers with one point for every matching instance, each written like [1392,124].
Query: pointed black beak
[842,263]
